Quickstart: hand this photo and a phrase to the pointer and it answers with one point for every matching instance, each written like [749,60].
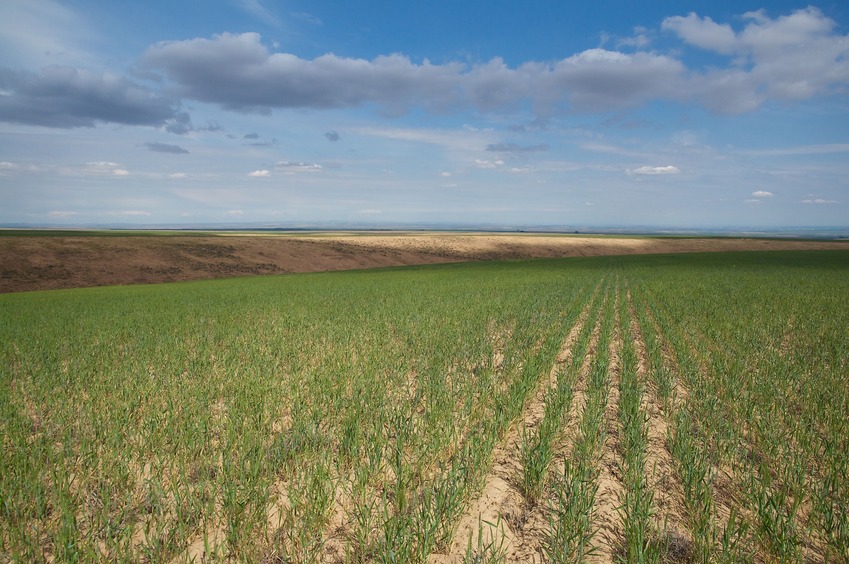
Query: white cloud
[762,194]
[794,57]
[819,201]
[824,149]
[602,80]
[481,163]
[260,174]
[10,167]
[266,80]
[61,213]
[178,175]
[639,40]
[465,139]
[236,212]
[132,213]
[95,168]
[289,167]
[592,80]
[654,170]
[702,32]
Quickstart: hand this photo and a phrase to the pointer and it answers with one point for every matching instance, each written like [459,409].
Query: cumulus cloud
[260,174]
[702,32]
[259,80]
[67,97]
[789,58]
[165,148]
[602,80]
[792,57]
[762,194]
[654,170]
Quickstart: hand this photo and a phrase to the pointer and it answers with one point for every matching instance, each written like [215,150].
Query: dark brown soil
[31,262]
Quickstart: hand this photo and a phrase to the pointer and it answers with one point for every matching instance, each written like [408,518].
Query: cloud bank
[793,57]
[66,97]
[764,59]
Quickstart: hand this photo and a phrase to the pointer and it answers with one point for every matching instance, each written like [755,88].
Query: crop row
[642,408]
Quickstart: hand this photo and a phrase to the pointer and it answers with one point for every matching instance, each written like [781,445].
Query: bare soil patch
[34,262]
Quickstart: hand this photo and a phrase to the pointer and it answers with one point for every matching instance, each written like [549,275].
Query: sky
[296,113]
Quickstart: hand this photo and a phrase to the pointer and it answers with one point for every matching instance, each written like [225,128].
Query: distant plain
[46,260]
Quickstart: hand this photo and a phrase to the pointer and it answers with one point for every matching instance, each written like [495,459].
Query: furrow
[572,490]
[499,516]
[606,514]
[665,484]
[715,511]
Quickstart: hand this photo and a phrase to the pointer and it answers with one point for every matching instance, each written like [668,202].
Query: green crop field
[653,408]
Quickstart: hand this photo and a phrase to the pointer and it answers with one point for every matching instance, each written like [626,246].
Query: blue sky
[499,113]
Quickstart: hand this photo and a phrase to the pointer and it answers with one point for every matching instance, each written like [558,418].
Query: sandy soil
[41,263]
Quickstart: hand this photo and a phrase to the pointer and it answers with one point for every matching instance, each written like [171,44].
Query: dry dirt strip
[659,463]
[42,263]
[500,506]
[610,488]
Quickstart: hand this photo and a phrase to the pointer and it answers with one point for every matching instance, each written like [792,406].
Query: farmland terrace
[48,260]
